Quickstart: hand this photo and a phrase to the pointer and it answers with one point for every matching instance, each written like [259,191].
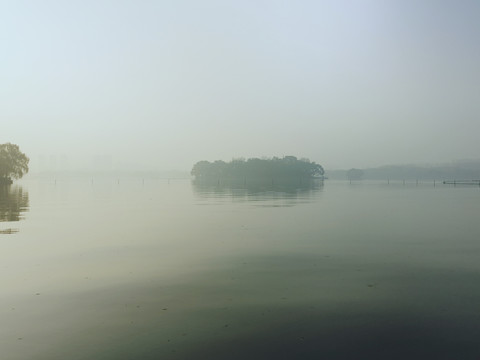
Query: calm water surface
[157,269]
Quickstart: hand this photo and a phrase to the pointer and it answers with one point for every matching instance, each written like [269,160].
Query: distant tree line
[460,170]
[355,174]
[288,167]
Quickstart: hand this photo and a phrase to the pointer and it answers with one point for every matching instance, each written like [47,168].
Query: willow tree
[13,163]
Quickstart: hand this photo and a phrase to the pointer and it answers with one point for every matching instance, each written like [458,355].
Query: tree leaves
[13,163]
[287,167]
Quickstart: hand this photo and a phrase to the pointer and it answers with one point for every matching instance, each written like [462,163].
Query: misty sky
[163,84]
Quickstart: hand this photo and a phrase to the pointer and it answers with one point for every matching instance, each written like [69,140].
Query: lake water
[158,269]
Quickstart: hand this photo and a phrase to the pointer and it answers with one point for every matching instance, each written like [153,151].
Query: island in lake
[286,168]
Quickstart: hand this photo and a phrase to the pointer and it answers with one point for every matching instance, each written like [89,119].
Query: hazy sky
[163,84]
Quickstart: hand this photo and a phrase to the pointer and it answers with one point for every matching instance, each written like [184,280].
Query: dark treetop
[13,163]
[289,167]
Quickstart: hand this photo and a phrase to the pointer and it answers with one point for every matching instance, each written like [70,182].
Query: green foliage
[275,168]
[13,163]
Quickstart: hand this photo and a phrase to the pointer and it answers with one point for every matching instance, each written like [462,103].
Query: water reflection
[260,193]
[13,204]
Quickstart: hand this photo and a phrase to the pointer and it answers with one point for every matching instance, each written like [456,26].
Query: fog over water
[163,84]
[110,250]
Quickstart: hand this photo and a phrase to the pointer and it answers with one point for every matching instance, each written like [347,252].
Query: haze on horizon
[164,84]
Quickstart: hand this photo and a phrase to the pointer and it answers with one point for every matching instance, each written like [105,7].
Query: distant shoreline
[467,170]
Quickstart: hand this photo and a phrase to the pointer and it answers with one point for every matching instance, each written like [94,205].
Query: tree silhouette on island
[355,174]
[13,163]
[286,168]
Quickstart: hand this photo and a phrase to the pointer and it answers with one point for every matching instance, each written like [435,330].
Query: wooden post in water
[388,181]
[416,184]
[403,181]
[433,183]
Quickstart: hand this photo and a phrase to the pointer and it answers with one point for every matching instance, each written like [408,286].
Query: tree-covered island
[286,168]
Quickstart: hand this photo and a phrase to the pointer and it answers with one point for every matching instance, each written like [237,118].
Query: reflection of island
[263,193]
[13,203]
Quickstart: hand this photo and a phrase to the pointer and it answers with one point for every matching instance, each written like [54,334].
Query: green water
[157,269]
